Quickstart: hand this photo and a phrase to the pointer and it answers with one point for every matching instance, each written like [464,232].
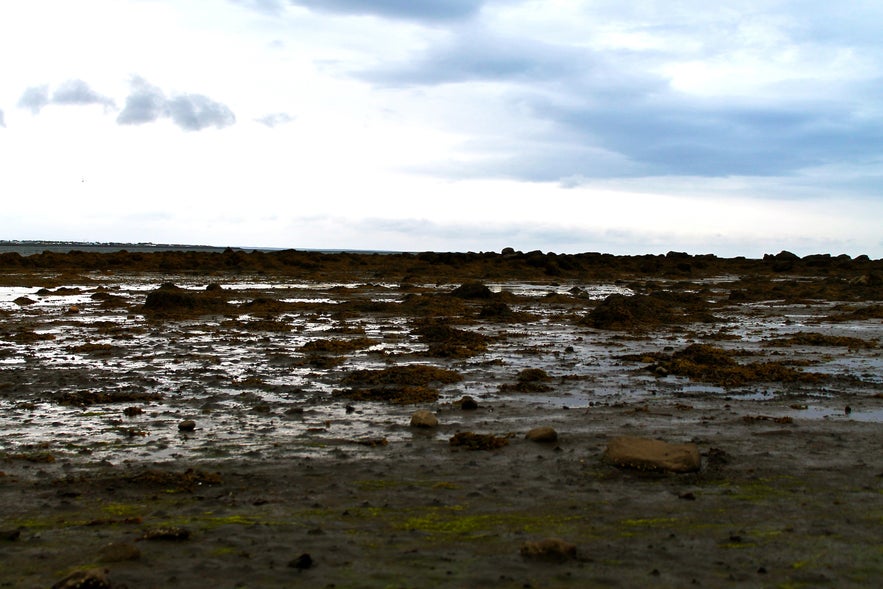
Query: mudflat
[247,420]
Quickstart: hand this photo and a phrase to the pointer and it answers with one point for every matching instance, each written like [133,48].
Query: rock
[467,403]
[302,562]
[86,579]
[10,535]
[647,454]
[73,310]
[188,425]
[175,533]
[424,419]
[542,435]
[24,301]
[119,552]
[549,549]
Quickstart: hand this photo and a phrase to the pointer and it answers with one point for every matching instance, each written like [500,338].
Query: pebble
[542,435]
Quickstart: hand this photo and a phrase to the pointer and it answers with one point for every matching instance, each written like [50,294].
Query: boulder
[647,454]
[542,435]
[424,419]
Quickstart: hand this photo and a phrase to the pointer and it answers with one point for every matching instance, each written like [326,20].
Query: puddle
[251,387]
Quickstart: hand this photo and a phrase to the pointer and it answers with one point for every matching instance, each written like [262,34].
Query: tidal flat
[245,419]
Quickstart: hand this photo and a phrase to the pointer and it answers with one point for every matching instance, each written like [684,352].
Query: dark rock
[549,549]
[472,441]
[467,403]
[188,425]
[302,562]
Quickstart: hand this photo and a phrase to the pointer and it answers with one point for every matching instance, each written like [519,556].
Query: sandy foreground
[300,467]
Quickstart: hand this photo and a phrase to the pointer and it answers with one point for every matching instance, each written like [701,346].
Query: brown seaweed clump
[186,481]
[86,398]
[529,380]
[444,341]
[337,346]
[172,301]
[712,364]
[804,338]
[400,385]
[472,441]
[637,312]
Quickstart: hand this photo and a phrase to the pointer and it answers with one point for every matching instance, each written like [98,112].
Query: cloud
[422,10]
[147,103]
[625,105]
[477,55]
[79,92]
[275,119]
[194,112]
[71,92]
[34,98]
[272,7]
[2,121]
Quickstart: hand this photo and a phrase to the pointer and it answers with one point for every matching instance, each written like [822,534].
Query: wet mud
[250,420]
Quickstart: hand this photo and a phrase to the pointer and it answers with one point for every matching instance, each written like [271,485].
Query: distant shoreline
[31,247]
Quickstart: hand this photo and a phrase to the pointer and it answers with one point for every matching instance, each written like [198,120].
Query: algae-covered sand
[299,374]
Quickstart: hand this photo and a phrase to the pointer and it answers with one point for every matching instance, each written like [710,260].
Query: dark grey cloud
[147,103]
[415,10]
[678,136]
[275,119]
[34,98]
[582,113]
[194,112]
[79,92]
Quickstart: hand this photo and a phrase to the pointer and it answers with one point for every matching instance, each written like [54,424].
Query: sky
[734,128]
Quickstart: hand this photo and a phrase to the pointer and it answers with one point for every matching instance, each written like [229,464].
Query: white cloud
[448,125]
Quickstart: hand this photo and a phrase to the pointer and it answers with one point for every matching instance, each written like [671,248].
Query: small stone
[87,579]
[167,533]
[302,562]
[133,411]
[549,549]
[119,552]
[188,425]
[467,403]
[542,435]
[647,454]
[423,418]
[73,310]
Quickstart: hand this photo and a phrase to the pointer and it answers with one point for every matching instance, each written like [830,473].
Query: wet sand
[293,370]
